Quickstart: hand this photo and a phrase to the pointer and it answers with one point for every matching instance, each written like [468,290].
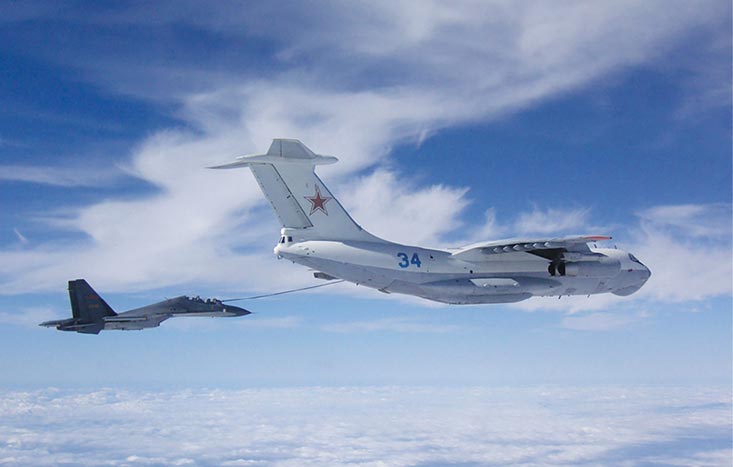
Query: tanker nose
[641,274]
[634,280]
[639,270]
[645,274]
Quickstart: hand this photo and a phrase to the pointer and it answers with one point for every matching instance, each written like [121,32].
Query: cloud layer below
[369,426]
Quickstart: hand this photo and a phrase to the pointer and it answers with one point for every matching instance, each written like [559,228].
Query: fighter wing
[135,322]
[574,244]
[129,319]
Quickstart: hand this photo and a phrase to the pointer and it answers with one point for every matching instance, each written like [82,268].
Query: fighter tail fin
[286,175]
[86,304]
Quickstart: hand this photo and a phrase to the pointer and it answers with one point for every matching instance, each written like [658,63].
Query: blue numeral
[406,261]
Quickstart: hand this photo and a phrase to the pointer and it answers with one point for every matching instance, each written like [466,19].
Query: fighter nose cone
[236,311]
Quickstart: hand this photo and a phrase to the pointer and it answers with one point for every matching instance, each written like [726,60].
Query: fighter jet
[91,314]
[317,232]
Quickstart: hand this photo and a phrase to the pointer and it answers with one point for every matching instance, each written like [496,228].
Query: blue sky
[453,125]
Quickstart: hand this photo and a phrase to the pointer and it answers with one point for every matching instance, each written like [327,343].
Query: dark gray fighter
[91,313]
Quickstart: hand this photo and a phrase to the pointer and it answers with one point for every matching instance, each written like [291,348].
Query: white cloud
[505,51]
[575,304]
[604,321]
[694,220]
[688,249]
[60,176]
[538,222]
[390,208]
[283,322]
[29,317]
[369,426]
[21,238]
[490,228]
[551,221]
[207,227]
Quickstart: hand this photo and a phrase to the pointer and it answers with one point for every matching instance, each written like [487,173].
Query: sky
[453,123]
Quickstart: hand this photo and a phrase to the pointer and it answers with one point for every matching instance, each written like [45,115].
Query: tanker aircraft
[317,232]
[91,314]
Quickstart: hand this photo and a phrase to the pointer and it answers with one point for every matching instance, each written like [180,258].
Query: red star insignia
[318,201]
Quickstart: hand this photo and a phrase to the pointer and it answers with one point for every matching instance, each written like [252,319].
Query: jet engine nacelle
[590,268]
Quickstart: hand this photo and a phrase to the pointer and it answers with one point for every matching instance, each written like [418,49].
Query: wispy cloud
[436,209]
[692,220]
[533,49]
[603,321]
[574,304]
[688,248]
[551,221]
[537,222]
[404,325]
[21,238]
[283,322]
[60,176]
[28,317]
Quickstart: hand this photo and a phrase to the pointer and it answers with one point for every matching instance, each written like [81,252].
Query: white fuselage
[438,275]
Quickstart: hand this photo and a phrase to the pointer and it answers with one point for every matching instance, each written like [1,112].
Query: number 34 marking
[406,263]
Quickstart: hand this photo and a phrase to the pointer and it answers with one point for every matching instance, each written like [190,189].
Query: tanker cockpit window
[633,258]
